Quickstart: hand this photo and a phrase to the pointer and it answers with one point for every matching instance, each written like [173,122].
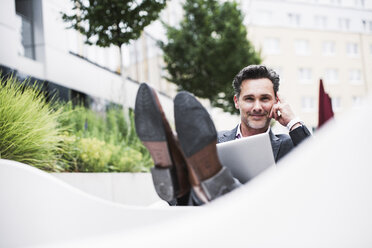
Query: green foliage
[116,22]
[29,131]
[61,137]
[101,142]
[94,156]
[129,159]
[208,49]
[69,153]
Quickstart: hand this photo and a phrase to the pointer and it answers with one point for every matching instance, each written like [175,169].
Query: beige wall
[366,41]
[289,62]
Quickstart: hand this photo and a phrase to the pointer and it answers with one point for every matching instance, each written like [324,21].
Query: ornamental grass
[60,137]
[29,128]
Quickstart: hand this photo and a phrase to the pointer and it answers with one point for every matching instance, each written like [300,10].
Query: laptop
[247,157]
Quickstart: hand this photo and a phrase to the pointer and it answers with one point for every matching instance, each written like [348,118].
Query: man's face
[255,101]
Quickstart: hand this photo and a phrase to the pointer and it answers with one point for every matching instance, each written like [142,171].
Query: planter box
[126,188]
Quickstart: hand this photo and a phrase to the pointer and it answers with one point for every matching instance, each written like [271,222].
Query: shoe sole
[150,130]
[197,135]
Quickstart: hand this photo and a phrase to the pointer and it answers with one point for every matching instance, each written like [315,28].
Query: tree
[207,50]
[112,22]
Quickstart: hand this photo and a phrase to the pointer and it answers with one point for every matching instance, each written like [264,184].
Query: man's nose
[257,106]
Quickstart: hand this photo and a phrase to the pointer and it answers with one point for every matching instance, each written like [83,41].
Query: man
[257,98]
[187,169]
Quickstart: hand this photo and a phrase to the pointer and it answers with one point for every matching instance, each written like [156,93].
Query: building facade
[35,43]
[303,40]
[306,41]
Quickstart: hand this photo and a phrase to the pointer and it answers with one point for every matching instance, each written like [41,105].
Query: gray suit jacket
[281,144]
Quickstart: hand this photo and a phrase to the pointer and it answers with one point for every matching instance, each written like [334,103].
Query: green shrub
[29,130]
[97,142]
[63,137]
[69,153]
[94,155]
[128,159]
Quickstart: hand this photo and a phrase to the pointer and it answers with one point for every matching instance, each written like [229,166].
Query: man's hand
[281,111]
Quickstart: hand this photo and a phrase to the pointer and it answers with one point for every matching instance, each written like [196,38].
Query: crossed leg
[187,170]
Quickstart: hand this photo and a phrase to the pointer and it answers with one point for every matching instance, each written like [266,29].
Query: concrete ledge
[127,188]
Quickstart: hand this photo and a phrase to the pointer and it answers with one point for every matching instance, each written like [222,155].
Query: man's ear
[236,102]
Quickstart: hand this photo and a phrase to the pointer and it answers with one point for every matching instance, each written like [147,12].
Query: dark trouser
[214,187]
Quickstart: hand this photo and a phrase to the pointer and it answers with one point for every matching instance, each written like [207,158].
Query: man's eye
[265,99]
[249,99]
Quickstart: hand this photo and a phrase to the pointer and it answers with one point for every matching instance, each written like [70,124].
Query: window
[302,47]
[344,23]
[26,46]
[304,75]
[271,46]
[367,25]
[294,19]
[328,48]
[320,21]
[336,104]
[308,104]
[352,49]
[331,76]
[355,76]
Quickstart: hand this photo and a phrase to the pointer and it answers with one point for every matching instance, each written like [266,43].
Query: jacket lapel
[275,144]
[229,135]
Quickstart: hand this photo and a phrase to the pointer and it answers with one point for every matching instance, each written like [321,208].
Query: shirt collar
[239,135]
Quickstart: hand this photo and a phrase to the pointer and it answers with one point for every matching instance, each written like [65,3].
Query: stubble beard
[258,124]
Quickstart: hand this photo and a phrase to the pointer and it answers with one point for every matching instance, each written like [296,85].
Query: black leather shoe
[198,138]
[169,175]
